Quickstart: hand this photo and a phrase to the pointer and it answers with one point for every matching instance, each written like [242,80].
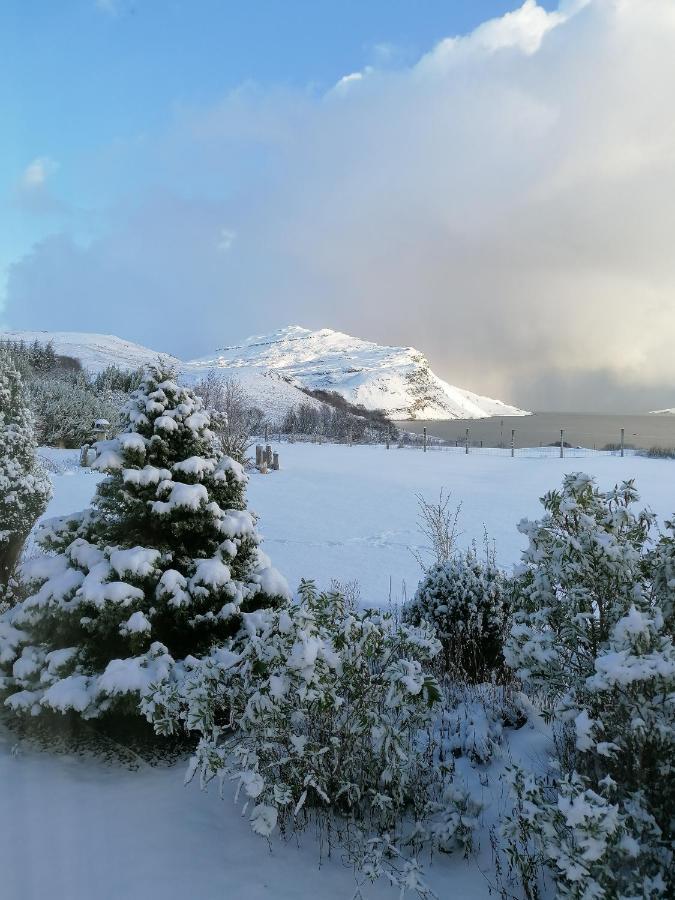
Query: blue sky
[490,181]
[85,81]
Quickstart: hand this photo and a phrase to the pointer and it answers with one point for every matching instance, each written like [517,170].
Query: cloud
[108,7]
[504,204]
[226,239]
[32,191]
[37,172]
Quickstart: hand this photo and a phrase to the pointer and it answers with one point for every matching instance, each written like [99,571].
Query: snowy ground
[77,829]
[350,512]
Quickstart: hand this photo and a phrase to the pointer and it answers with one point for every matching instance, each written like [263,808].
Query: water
[581,429]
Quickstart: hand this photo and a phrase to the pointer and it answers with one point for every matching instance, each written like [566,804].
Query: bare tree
[238,420]
[438,523]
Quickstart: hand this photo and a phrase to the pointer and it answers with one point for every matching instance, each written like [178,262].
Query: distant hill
[95,351]
[277,368]
[397,380]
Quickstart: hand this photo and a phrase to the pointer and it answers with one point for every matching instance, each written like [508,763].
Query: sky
[492,182]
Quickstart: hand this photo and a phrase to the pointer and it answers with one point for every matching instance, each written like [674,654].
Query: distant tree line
[66,400]
[337,419]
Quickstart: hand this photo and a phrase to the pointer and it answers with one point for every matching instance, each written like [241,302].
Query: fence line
[522,452]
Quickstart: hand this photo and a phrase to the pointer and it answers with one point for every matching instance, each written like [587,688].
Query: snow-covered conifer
[24,486]
[159,569]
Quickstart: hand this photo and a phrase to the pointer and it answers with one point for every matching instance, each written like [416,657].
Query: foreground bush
[464,599]
[162,567]
[585,564]
[594,634]
[325,714]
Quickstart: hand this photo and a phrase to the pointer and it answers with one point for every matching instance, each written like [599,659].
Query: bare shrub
[438,523]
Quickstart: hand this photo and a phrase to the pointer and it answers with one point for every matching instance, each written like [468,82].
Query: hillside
[276,369]
[397,380]
[94,351]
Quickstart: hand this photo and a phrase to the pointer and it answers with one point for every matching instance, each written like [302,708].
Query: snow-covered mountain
[95,351]
[275,368]
[397,380]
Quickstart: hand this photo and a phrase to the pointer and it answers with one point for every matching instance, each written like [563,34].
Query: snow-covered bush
[474,717]
[662,572]
[322,705]
[625,714]
[585,565]
[24,486]
[323,713]
[464,598]
[590,843]
[67,404]
[594,632]
[161,568]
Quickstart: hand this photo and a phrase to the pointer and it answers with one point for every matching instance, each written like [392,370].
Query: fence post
[513,441]
[562,443]
[466,441]
[268,456]
[258,455]
[425,438]
[388,436]
[275,462]
[622,437]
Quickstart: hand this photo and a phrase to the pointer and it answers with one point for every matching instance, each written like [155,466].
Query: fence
[521,452]
[650,444]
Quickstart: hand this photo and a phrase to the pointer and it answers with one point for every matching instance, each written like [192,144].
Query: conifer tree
[24,485]
[156,573]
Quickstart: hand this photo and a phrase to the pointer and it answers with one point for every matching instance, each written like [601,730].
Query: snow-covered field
[82,829]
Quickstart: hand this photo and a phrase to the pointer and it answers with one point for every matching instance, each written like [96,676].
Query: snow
[350,513]
[137,561]
[104,832]
[72,692]
[189,496]
[146,476]
[136,674]
[99,830]
[273,370]
[95,351]
[397,380]
[196,466]
[212,573]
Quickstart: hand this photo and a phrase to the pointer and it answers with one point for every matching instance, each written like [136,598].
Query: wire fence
[544,436]
[521,452]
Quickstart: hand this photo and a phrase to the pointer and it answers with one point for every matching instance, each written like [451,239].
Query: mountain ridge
[277,368]
[398,380]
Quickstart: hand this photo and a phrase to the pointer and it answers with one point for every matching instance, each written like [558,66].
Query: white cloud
[226,239]
[108,7]
[37,172]
[504,203]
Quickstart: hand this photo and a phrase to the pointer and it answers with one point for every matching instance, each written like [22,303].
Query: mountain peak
[277,370]
[397,380]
